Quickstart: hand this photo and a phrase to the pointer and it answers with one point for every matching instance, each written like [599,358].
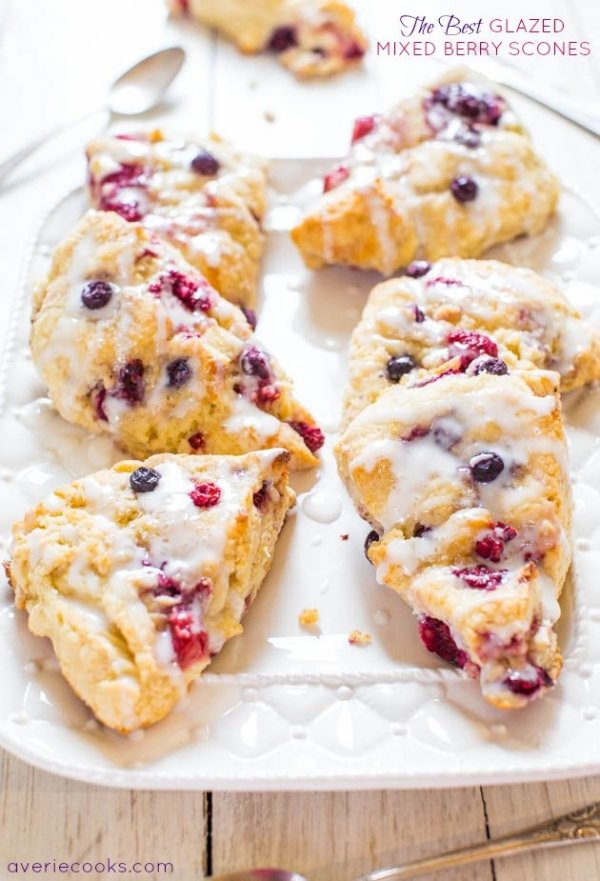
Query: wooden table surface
[55,57]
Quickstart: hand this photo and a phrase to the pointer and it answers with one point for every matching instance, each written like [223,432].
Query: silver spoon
[578,827]
[136,91]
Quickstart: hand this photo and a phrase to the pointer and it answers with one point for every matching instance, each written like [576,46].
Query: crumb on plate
[357,637]
[308,617]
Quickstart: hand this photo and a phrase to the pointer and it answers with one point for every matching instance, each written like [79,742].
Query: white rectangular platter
[282,708]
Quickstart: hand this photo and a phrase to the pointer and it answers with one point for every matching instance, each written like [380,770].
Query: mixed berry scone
[199,194]
[133,342]
[311,38]
[465,484]
[447,173]
[139,574]
[465,316]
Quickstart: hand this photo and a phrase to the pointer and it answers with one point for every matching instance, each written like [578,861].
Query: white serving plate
[281,708]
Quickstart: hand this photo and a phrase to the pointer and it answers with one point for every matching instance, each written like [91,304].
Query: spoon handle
[574,828]
[9,164]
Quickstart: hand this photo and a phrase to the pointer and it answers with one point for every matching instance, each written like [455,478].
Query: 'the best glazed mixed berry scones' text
[465,484]
[139,574]
[200,195]
[465,316]
[448,173]
[134,343]
[311,38]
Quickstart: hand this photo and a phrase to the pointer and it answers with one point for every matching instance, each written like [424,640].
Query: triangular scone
[134,343]
[469,316]
[312,38]
[447,173]
[200,195]
[466,482]
[139,574]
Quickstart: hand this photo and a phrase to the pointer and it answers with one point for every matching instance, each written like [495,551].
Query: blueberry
[398,366]
[283,38]
[417,268]
[144,480]
[179,372]
[464,189]
[96,294]
[250,316]
[205,163]
[486,467]
[490,365]
[468,137]
[371,537]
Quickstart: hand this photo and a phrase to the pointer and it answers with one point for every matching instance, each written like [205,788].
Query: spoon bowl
[142,87]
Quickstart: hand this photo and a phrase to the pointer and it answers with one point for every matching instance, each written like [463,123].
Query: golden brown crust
[137,591]
[116,370]
[397,187]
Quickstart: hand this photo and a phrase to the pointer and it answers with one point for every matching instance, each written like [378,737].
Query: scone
[139,574]
[134,343]
[312,38]
[469,316]
[465,484]
[200,195]
[447,173]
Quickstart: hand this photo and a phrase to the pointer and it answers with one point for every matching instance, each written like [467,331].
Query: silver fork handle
[552,99]
[9,164]
[575,828]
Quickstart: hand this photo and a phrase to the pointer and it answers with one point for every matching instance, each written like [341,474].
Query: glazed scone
[139,574]
[466,315]
[200,195]
[447,173]
[312,38]
[465,484]
[133,342]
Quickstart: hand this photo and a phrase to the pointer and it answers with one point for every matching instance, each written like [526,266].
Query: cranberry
[363,126]
[206,495]
[196,441]
[495,366]
[431,379]
[168,586]
[254,362]
[480,577]
[373,536]
[194,295]
[415,433]
[335,178]
[486,467]
[312,435]
[491,545]
[436,637]
[190,642]
[464,189]
[96,294]
[527,682]
[468,344]
[250,315]
[98,399]
[355,50]
[126,178]
[283,38]
[441,279]
[418,268]
[144,480]
[260,496]
[398,366]
[179,372]
[205,163]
